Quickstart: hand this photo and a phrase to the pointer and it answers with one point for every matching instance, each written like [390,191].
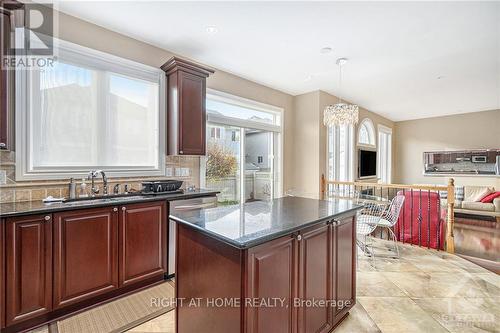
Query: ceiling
[407,60]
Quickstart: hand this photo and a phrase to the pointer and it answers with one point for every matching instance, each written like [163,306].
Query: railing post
[450,218]
[323,186]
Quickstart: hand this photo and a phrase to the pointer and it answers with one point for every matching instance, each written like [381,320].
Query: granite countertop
[250,224]
[38,207]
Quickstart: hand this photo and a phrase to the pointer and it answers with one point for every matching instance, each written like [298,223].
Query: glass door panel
[223,162]
[259,165]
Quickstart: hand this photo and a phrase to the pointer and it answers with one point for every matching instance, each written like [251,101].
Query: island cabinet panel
[207,270]
[85,254]
[142,241]
[345,275]
[271,274]
[315,279]
[28,253]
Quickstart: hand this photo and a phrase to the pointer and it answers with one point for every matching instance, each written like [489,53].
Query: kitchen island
[282,266]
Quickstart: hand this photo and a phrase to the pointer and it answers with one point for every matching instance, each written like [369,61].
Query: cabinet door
[29,267]
[315,279]
[345,234]
[192,115]
[85,254]
[271,273]
[143,241]
[5,121]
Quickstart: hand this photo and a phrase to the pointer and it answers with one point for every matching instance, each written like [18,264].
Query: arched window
[366,133]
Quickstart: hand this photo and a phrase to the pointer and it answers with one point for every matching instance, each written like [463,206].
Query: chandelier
[340,113]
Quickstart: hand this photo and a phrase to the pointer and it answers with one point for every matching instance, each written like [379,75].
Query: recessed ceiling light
[211,29]
[326,50]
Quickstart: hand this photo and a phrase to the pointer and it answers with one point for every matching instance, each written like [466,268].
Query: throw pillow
[489,198]
[480,194]
[476,193]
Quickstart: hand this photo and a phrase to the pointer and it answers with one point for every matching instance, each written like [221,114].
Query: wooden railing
[388,191]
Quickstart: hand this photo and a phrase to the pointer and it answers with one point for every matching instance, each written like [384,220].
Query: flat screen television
[367,162]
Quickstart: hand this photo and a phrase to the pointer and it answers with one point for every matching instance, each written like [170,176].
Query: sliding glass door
[259,170]
[222,166]
[243,150]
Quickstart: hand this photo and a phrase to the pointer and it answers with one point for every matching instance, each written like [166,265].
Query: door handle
[189,207]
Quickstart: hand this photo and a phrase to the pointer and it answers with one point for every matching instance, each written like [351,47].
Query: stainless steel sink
[102,198]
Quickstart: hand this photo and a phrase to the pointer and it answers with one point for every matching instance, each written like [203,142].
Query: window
[246,164]
[340,153]
[215,133]
[366,133]
[385,154]
[89,110]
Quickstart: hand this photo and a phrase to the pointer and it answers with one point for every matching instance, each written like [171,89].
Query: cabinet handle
[124,208]
[47,217]
[299,238]
[115,209]
[3,145]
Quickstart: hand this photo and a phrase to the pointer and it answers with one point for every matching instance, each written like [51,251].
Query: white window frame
[384,130]
[97,59]
[277,190]
[371,132]
[350,153]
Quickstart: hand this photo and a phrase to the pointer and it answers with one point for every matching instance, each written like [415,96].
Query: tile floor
[424,291]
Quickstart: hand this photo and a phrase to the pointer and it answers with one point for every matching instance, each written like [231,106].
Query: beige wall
[310,143]
[96,37]
[464,131]
[327,99]
[306,145]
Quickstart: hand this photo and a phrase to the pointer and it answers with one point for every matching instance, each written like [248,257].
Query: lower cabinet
[28,256]
[272,271]
[52,262]
[345,276]
[302,268]
[315,278]
[143,242]
[85,254]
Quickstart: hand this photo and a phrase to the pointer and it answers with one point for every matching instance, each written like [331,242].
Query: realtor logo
[29,40]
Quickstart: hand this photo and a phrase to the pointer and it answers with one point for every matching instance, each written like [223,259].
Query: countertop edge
[131,200]
[264,239]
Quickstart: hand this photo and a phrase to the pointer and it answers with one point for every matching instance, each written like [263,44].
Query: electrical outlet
[3,177]
[169,172]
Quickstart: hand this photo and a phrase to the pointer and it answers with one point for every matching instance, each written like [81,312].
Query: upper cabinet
[6,111]
[186,113]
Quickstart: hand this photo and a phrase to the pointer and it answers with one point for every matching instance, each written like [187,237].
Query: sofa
[465,203]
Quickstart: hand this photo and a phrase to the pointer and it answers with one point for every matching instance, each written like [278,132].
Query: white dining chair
[389,219]
[366,223]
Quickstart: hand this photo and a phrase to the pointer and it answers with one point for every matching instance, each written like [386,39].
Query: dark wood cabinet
[313,264]
[6,84]
[272,269]
[85,254]
[28,253]
[142,241]
[316,281]
[186,111]
[345,268]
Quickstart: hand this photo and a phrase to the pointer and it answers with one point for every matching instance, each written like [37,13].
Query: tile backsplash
[185,168]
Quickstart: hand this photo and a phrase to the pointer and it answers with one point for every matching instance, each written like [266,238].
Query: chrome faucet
[94,189]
